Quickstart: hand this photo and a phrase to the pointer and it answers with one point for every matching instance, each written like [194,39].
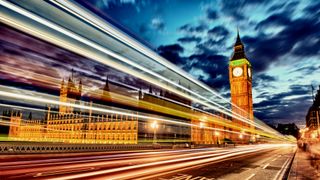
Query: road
[243,162]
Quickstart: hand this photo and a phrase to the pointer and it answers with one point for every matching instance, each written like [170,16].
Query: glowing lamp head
[154,125]
[201,125]
[216,133]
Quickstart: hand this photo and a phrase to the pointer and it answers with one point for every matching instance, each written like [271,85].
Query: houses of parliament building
[74,125]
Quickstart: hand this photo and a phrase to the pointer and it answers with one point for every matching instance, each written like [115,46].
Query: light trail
[119,155]
[154,168]
[102,49]
[56,102]
[110,161]
[130,101]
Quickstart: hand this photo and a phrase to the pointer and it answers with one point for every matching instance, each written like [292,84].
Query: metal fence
[26,147]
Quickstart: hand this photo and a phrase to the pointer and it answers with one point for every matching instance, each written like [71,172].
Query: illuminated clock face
[237,71]
[249,72]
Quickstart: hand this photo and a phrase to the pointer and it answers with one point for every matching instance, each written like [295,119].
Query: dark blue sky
[282,41]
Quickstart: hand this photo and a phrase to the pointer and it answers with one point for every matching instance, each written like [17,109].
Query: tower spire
[238,41]
[238,49]
[72,71]
[106,86]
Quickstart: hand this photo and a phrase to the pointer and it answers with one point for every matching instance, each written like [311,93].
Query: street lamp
[317,116]
[216,133]
[154,126]
[202,136]
[201,124]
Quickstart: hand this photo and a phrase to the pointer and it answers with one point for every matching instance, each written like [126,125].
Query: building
[240,76]
[72,125]
[313,114]
[289,129]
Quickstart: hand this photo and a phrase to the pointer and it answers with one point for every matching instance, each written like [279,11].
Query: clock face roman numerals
[237,71]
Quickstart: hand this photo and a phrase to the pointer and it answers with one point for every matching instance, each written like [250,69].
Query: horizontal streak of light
[132,101]
[95,46]
[49,101]
[128,154]
[126,99]
[173,164]
[109,161]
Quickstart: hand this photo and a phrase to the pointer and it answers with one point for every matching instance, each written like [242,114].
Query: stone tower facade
[240,76]
[69,93]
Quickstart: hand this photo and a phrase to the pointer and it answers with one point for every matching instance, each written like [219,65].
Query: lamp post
[154,126]
[201,127]
[216,133]
[317,116]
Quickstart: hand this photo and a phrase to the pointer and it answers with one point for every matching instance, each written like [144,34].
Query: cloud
[216,66]
[284,107]
[313,9]
[211,14]
[108,3]
[219,34]
[189,39]
[188,28]
[172,53]
[158,24]
[265,49]
[263,80]
[274,20]
[306,70]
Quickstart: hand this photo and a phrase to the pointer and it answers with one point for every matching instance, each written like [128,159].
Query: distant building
[73,125]
[289,129]
[313,115]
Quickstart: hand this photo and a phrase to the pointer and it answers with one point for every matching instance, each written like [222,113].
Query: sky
[281,39]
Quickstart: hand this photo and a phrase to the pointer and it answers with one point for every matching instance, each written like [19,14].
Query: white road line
[265,166]
[274,159]
[283,166]
[250,176]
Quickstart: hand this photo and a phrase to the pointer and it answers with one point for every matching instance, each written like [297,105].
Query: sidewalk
[304,167]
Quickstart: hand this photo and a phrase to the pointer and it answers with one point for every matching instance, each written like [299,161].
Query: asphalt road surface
[244,162]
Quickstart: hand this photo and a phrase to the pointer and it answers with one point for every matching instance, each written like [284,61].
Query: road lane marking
[274,159]
[283,166]
[265,166]
[251,176]
[187,177]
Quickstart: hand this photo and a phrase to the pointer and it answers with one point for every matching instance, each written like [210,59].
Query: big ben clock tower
[240,75]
